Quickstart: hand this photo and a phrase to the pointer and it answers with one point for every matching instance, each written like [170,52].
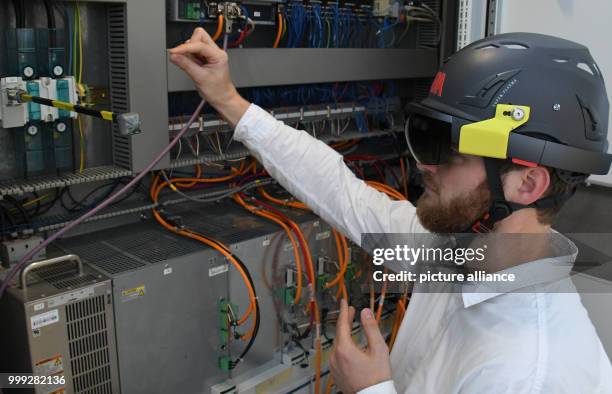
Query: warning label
[49,366]
[134,293]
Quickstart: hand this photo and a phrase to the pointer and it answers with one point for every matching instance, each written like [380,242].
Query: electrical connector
[288,295]
[225,363]
[227,319]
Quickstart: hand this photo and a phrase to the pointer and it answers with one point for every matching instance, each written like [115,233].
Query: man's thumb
[376,342]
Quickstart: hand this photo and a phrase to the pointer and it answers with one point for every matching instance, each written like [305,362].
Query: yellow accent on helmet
[489,138]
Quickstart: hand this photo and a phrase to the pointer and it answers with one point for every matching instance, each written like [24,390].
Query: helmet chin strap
[500,208]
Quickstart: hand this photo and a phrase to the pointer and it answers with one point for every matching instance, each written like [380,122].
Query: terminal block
[227,317]
[321,273]
[225,363]
[17,114]
[288,291]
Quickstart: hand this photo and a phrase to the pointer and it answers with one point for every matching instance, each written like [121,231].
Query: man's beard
[457,215]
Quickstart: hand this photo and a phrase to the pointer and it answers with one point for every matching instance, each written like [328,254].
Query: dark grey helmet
[558,79]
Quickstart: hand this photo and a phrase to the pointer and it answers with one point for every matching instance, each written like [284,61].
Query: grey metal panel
[146,34]
[272,67]
[167,339]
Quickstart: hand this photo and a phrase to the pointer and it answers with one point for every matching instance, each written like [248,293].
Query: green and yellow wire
[77,39]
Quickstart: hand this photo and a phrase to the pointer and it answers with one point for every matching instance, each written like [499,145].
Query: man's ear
[526,185]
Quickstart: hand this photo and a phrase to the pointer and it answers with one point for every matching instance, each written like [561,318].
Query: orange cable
[341,262]
[280,30]
[216,245]
[296,255]
[217,34]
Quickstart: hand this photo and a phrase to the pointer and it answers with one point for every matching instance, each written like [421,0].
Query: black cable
[249,345]
[24,214]
[18,14]
[301,335]
[80,205]
[3,219]
[129,194]
[22,7]
[257,309]
[50,14]
[46,207]
[257,314]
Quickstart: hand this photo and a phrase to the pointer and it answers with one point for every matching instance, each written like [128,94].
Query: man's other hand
[355,369]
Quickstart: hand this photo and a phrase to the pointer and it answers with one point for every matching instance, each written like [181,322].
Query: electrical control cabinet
[168,293]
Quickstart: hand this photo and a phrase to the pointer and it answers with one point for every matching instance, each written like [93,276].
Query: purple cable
[23,262]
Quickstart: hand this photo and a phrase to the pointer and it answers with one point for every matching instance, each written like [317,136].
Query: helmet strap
[500,208]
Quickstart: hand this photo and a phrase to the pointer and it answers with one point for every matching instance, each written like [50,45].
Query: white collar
[533,273]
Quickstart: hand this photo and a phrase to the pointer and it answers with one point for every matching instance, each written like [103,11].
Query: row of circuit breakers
[136,309]
[42,134]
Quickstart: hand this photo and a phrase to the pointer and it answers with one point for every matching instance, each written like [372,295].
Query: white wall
[586,22]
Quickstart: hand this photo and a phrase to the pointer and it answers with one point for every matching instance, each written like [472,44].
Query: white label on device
[44,319]
[323,235]
[214,271]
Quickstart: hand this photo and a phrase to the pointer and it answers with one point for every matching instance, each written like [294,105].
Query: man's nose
[432,169]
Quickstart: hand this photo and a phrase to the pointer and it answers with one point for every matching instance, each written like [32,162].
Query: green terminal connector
[321,280]
[225,363]
[350,273]
[288,295]
[226,310]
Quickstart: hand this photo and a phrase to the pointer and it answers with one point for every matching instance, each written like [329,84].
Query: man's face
[456,194]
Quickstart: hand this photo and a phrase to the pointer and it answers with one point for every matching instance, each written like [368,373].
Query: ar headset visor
[433,137]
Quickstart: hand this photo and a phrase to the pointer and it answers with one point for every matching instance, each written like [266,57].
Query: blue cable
[335,25]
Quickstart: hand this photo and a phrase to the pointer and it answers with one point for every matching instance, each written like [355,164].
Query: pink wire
[25,259]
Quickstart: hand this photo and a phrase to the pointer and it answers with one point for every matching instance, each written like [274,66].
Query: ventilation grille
[429,33]
[127,248]
[53,273]
[88,346]
[74,282]
[101,255]
[155,245]
[61,275]
[230,228]
[118,68]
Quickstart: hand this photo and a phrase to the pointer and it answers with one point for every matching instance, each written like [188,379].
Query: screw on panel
[557,107]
